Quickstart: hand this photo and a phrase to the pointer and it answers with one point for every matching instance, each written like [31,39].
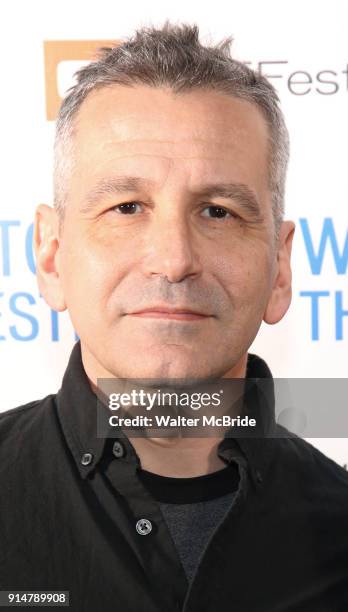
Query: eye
[128,208]
[213,212]
[218,212]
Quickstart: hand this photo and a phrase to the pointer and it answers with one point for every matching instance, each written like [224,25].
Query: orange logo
[56,51]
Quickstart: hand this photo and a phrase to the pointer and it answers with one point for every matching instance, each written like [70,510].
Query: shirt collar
[77,411]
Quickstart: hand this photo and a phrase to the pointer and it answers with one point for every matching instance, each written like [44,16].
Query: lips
[168,312]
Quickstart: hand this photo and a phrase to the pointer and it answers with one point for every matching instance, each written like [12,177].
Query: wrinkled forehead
[160,135]
[124,115]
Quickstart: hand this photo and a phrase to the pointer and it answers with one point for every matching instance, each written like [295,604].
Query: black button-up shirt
[72,505]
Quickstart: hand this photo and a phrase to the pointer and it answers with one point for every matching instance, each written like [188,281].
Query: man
[168,247]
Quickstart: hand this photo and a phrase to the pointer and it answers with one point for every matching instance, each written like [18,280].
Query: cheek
[245,268]
[90,271]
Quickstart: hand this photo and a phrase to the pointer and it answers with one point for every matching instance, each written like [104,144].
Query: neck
[178,457]
[184,457]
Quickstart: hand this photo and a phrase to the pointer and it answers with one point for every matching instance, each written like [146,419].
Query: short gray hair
[173,56]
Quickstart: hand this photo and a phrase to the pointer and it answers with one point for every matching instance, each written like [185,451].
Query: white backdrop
[303,48]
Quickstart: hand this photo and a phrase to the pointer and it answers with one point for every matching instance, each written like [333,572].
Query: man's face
[169,208]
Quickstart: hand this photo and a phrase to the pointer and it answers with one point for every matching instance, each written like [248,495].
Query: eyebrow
[239,192]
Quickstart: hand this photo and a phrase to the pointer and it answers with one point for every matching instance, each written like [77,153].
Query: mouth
[165,312]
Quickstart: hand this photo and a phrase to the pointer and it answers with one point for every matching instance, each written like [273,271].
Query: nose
[170,249]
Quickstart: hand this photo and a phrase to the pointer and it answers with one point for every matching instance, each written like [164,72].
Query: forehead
[197,133]
[123,114]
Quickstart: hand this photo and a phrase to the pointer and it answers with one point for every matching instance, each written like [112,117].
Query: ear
[280,297]
[46,246]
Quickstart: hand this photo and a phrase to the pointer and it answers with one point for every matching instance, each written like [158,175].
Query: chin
[162,367]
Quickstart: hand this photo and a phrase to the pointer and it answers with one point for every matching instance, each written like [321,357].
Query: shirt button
[87,458]
[118,450]
[143,526]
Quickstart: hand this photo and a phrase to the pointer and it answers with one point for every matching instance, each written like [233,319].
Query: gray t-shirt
[191,526]
[193,508]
